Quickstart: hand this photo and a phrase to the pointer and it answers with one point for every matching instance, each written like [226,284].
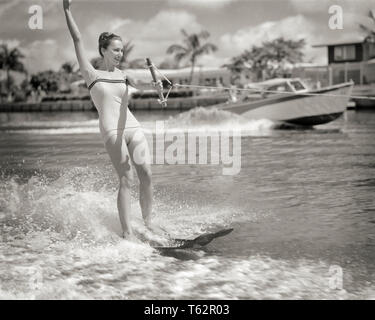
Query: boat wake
[211,119]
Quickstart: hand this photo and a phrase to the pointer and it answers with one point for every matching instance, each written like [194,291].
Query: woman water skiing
[122,135]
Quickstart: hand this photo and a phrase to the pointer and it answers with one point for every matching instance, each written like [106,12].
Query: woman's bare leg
[119,155]
[140,155]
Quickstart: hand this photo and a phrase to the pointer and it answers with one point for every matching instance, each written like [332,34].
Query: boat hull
[315,120]
[323,106]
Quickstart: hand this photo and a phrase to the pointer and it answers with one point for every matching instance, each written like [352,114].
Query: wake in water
[79,203]
[210,119]
[198,120]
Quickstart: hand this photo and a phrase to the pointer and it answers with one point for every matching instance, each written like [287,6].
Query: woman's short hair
[105,39]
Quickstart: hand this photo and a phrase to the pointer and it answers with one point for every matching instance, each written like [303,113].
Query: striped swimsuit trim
[125,81]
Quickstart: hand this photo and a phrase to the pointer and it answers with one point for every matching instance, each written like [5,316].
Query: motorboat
[289,100]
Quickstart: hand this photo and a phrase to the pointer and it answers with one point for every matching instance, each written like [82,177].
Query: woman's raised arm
[87,70]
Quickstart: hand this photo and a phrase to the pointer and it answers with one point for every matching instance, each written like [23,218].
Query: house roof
[353,40]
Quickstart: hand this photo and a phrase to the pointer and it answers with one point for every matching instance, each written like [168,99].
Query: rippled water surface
[302,208]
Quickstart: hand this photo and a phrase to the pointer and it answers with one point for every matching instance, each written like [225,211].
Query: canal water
[302,208]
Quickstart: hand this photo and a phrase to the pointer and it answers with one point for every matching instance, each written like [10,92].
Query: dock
[364,90]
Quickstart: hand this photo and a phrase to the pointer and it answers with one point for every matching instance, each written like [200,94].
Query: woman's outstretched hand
[66,4]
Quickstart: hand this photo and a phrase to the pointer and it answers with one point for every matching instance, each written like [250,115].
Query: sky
[153,25]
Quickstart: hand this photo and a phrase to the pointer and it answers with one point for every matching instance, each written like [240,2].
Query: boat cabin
[278,85]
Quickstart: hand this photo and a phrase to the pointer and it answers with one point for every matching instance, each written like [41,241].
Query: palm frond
[369,30]
[136,63]
[206,48]
[176,48]
[365,28]
[96,62]
[184,33]
[371,14]
[204,34]
[180,56]
[127,49]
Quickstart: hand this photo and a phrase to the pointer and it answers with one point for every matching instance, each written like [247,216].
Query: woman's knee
[126,180]
[145,174]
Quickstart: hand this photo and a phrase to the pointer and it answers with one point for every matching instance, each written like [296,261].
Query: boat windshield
[282,87]
[298,86]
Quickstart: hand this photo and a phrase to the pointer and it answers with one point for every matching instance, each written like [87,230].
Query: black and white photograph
[187,150]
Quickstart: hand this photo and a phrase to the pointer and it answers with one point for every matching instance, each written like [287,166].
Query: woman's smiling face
[114,52]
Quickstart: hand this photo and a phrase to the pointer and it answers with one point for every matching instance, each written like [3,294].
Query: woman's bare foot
[129,236]
[155,229]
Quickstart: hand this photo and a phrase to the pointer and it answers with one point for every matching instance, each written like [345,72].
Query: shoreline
[182,103]
[87,105]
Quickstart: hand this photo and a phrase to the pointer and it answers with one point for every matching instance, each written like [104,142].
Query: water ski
[201,240]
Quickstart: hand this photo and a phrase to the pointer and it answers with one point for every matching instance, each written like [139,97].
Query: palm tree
[131,64]
[136,64]
[10,60]
[192,49]
[67,75]
[68,67]
[96,62]
[370,31]
[127,49]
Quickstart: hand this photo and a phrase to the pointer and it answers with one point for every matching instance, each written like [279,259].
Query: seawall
[87,105]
